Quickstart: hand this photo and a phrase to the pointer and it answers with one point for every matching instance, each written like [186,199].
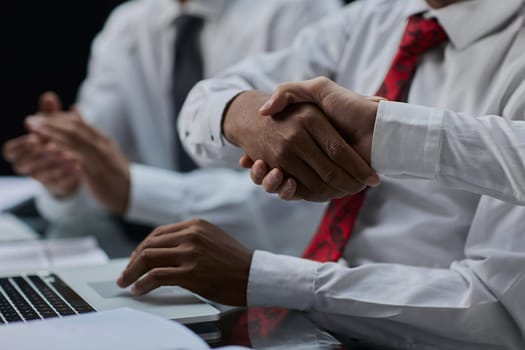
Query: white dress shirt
[127,95]
[425,252]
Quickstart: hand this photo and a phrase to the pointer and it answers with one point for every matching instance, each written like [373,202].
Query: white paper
[14,190]
[47,254]
[107,330]
[12,229]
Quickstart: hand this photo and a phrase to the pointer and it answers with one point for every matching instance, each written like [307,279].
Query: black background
[46,48]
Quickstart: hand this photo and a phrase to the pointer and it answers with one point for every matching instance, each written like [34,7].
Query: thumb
[50,103]
[287,94]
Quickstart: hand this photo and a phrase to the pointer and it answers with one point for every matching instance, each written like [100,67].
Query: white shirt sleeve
[473,300]
[200,122]
[100,103]
[228,199]
[483,155]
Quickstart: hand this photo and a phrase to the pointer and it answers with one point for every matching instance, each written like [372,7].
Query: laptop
[78,290]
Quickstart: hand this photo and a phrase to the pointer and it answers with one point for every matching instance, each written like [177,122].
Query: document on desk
[12,229]
[46,254]
[108,330]
[15,189]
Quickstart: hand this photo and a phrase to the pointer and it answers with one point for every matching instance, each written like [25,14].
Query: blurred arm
[100,104]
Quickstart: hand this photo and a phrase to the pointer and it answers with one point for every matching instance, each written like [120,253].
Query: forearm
[476,154]
[414,297]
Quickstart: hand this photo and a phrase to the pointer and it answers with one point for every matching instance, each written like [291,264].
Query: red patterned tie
[328,244]
[421,35]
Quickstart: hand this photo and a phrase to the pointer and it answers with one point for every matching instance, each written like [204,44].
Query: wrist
[363,137]
[240,114]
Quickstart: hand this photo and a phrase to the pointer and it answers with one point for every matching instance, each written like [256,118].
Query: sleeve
[479,154]
[311,55]
[254,217]
[478,299]
[100,104]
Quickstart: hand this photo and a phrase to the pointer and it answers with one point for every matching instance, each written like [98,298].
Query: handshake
[310,140]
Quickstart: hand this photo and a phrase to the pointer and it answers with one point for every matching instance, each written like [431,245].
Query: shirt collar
[207,9]
[470,20]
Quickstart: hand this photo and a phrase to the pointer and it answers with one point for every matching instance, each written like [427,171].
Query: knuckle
[293,138]
[191,251]
[321,82]
[189,237]
[191,267]
[159,230]
[334,151]
[156,276]
[282,148]
[146,255]
[146,245]
[197,222]
[330,176]
[281,89]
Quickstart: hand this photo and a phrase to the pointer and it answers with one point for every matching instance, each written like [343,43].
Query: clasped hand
[310,140]
[62,151]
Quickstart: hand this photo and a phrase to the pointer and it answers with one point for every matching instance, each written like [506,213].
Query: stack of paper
[46,254]
[117,329]
[12,229]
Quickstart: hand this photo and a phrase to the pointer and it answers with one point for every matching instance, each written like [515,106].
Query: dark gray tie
[187,71]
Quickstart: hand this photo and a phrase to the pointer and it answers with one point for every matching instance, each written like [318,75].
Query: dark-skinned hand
[351,114]
[301,142]
[195,255]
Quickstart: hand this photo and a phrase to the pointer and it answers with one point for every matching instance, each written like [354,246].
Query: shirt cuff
[147,199]
[65,210]
[407,140]
[208,130]
[281,281]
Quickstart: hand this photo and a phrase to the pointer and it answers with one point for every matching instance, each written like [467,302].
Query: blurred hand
[194,255]
[37,157]
[302,143]
[103,168]
[351,114]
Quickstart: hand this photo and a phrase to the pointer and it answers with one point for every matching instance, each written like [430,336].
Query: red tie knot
[422,35]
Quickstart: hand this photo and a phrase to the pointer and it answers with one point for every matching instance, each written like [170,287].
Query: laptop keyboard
[27,298]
